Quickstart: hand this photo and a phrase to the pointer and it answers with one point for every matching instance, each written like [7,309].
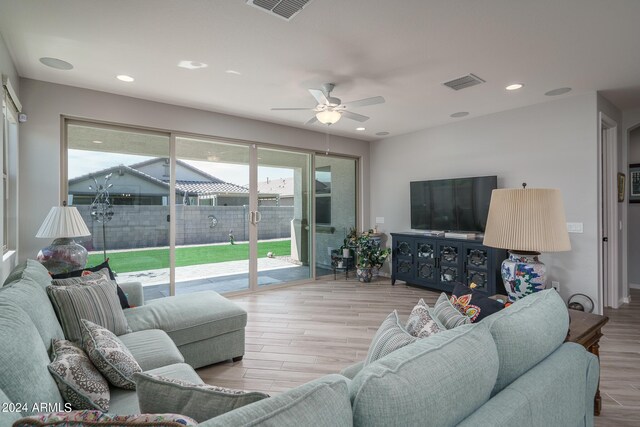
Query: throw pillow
[79,381]
[97,303]
[390,336]
[97,418]
[474,304]
[420,323]
[110,355]
[447,314]
[198,401]
[124,302]
[87,278]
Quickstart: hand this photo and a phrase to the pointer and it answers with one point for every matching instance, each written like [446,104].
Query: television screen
[460,204]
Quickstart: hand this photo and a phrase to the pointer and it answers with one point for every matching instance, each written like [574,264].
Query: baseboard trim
[634,285]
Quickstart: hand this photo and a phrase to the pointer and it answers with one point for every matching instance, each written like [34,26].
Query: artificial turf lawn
[125,262]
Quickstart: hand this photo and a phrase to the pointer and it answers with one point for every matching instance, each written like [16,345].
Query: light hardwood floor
[300,333]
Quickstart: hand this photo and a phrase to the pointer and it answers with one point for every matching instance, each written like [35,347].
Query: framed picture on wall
[634,183]
[620,187]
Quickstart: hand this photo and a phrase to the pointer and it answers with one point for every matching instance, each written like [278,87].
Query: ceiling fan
[330,109]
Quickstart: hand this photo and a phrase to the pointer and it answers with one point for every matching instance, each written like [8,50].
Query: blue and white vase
[523,274]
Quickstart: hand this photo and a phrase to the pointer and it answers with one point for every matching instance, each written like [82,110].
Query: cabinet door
[450,261]
[425,262]
[403,248]
[478,266]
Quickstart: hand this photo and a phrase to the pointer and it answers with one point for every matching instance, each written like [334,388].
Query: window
[9,160]
[323,195]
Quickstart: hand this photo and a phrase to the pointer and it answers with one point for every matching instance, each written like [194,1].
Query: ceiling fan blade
[364,102]
[291,109]
[311,121]
[319,96]
[354,116]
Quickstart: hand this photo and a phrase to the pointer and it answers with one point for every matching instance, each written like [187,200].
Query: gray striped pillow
[447,314]
[97,303]
[390,336]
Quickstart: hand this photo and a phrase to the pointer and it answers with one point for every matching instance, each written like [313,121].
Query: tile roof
[204,187]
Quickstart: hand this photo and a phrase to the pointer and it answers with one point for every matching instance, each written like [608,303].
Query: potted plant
[349,242]
[369,256]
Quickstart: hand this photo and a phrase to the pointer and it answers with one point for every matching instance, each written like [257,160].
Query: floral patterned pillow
[97,418]
[474,304]
[420,323]
[112,358]
[80,383]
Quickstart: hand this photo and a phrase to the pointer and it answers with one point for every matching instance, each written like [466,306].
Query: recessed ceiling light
[514,86]
[360,128]
[125,78]
[460,114]
[559,91]
[234,72]
[192,65]
[95,141]
[382,133]
[56,63]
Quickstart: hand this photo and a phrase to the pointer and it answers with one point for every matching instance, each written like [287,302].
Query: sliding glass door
[212,218]
[118,178]
[335,200]
[181,214]
[283,216]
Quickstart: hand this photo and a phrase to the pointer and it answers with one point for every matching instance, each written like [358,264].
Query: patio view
[119,179]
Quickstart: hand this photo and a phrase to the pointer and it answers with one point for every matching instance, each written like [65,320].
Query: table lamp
[63,223]
[526,222]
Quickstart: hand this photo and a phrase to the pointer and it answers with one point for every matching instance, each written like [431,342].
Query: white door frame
[608,145]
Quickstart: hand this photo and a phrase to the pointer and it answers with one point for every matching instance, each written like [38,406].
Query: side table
[346,263]
[586,329]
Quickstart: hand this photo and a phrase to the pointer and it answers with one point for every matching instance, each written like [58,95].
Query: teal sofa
[171,337]
[512,368]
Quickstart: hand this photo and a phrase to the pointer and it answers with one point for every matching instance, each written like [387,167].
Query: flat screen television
[460,204]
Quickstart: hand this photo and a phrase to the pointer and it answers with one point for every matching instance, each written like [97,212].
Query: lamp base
[62,256]
[523,274]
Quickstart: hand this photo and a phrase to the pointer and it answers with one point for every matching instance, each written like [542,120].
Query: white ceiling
[403,50]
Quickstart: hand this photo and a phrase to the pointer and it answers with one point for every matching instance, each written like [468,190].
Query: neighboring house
[281,190]
[148,183]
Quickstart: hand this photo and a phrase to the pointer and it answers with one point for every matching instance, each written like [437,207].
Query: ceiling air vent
[285,9]
[464,82]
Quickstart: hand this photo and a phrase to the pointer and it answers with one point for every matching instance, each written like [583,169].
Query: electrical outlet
[555,285]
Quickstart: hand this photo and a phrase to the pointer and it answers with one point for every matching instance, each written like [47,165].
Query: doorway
[608,213]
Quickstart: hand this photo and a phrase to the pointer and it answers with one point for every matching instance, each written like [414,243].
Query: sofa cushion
[391,335]
[23,359]
[320,403]
[110,356]
[442,379]
[94,418]
[124,303]
[31,297]
[10,413]
[447,314]
[79,382]
[97,303]
[526,332]
[30,269]
[421,323]
[189,318]
[152,348]
[198,401]
[126,402]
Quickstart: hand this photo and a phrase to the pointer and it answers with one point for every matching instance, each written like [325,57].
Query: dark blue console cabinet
[439,263]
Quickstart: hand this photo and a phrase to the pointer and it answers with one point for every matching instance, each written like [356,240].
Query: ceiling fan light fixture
[328,117]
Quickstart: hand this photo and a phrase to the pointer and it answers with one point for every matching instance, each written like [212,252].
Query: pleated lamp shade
[530,219]
[63,221]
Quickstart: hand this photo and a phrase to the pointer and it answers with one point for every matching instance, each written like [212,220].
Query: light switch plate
[379,220]
[575,227]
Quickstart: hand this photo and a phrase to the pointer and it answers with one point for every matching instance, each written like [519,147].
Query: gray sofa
[171,337]
[510,369]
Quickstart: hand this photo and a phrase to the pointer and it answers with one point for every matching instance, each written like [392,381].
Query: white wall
[553,144]
[7,68]
[630,134]
[40,140]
